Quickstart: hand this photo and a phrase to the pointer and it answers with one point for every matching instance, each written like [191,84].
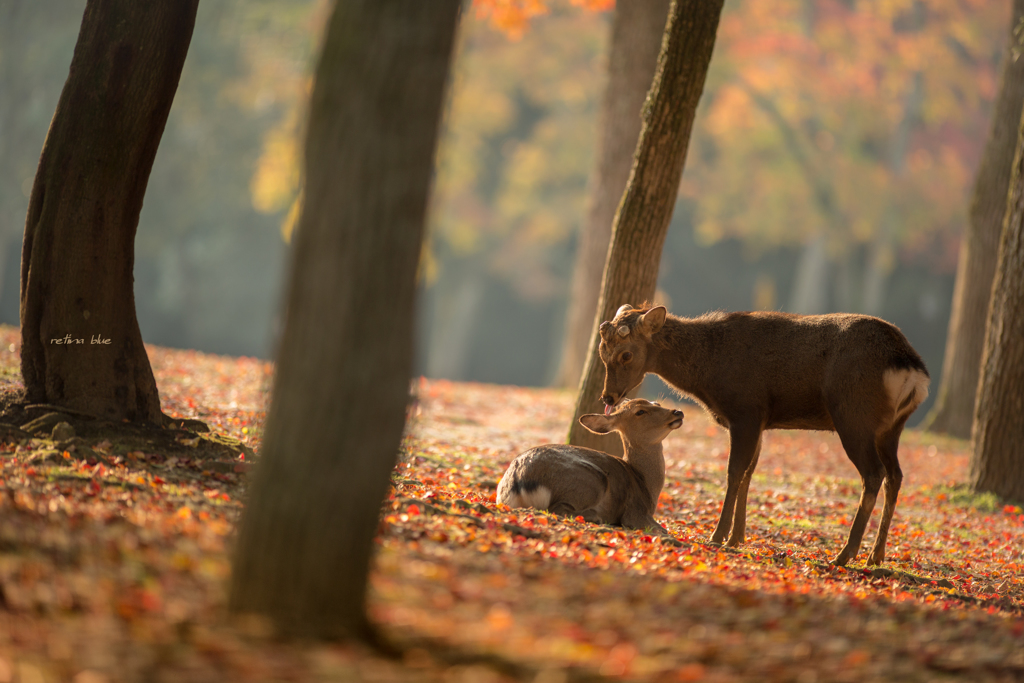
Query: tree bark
[997,463]
[637,30]
[631,268]
[81,345]
[954,400]
[338,408]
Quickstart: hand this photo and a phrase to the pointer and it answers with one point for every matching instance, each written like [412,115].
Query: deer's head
[625,349]
[638,420]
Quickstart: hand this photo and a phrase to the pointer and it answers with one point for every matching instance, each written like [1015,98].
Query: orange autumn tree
[512,17]
[849,129]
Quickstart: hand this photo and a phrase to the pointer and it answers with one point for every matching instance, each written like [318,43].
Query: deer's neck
[678,347]
[649,461]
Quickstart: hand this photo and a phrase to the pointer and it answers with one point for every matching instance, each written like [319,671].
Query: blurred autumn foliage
[512,17]
[830,168]
[857,123]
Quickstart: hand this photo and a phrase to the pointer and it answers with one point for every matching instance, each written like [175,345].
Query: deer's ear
[599,424]
[652,320]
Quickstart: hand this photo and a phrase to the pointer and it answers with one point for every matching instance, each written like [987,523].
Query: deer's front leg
[739,520]
[635,519]
[744,438]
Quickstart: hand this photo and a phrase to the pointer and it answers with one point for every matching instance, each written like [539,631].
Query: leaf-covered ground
[114,558]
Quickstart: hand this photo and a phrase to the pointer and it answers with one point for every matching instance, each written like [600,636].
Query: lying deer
[852,374]
[575,481]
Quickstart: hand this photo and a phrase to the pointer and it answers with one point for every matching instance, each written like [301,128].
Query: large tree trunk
[81,345]
[343,370]
[631,269]
[637,30]
[954,400]
[997,465]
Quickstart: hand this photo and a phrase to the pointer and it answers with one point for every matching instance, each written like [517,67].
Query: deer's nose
[607,398]
[677,412]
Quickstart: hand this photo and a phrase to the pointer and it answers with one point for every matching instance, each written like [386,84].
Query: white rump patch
[907,390]
[539,498]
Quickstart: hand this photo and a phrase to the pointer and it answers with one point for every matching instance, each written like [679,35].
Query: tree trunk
[338,408]
[954,400]
[81,345]
[631,268]
[997,464]
[637,30]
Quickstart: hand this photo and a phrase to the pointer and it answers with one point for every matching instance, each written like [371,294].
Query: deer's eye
[626,357]
[641,412]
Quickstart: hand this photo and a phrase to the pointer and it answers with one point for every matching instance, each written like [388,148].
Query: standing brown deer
[852,374]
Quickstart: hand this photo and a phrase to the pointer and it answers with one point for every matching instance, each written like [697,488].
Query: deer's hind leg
[888,445]
[860,447]
[566,509]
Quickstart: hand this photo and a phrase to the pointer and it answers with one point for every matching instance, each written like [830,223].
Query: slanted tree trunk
[637,30]
[343,370]
[954,401]
[997,463]
[81,345]
[631,268]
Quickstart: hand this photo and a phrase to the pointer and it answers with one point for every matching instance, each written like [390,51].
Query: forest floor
[114,557]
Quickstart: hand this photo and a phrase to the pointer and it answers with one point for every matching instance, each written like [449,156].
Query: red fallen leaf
[413,510]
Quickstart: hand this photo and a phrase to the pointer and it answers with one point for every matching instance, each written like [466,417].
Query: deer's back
[791,368]
[543,475]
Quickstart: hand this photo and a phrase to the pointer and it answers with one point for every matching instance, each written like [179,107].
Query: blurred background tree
[209,263]
[848,130]
[37,38]
[953,411]
[830,168]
